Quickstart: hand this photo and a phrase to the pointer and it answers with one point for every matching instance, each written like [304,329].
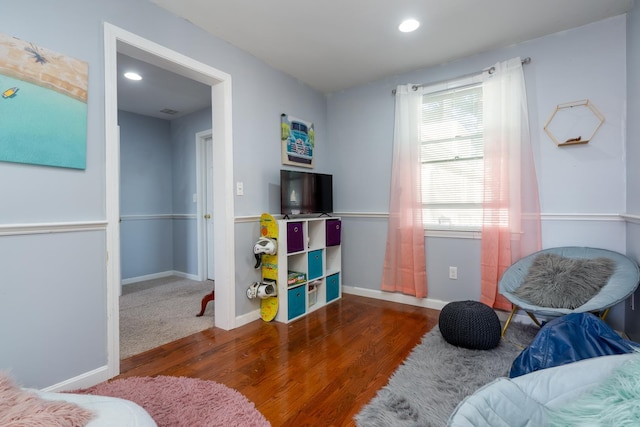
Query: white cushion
[110,411]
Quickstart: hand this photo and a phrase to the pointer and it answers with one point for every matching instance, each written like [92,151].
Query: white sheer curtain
[511,207]
[404,267]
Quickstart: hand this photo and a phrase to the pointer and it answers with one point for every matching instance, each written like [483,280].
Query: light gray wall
[632,324]
[632,315]
[67,271]
[246,235]
[52,305]
[145,165]
[184,186]
[584,63]
[146,180]
[146,247]
[64,334]
[633,110]
[158,178]
[183,139]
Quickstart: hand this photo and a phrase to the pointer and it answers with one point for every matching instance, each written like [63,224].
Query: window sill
[453,234]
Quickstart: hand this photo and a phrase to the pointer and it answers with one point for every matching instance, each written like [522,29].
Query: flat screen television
[305,193]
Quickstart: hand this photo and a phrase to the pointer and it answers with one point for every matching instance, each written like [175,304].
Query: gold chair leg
[604,313]
[534,319]
[508,322]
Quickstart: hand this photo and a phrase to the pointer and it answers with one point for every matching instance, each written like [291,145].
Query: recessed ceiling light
[133,76]
[409,25]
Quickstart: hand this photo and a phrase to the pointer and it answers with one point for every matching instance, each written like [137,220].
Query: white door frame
[119,40]
[201,207]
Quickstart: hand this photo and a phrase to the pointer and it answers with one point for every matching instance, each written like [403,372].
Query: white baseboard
[185,275]
[160,275]
[423,302]
[101,374]
[435,304]
[394,297]
[85,380]
[247,318]
[96,376]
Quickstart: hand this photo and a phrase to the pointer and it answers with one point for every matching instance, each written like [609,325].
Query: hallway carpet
[159,311]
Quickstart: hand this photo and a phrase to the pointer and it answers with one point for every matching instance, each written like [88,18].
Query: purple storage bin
[333,226]
[295,242]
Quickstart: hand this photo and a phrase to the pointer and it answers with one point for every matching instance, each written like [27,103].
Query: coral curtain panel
[404,267]
[511,207]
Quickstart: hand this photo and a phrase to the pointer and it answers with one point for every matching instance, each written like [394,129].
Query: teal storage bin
[333,287]
[315,264]
[296,301]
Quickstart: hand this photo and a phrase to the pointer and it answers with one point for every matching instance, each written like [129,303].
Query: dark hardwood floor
[317,371]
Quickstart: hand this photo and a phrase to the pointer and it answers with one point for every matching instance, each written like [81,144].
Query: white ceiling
[158,90]
[333,45]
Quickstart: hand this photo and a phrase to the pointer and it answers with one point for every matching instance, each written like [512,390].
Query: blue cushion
[567,339]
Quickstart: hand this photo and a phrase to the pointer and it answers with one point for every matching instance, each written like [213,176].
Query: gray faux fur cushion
[555,281]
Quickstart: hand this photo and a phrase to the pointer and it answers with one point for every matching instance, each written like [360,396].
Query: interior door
[209,206]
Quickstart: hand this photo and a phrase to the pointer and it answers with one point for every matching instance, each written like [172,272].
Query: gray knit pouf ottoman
[470,324]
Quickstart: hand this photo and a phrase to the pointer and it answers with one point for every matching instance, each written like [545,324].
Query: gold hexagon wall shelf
[574,123]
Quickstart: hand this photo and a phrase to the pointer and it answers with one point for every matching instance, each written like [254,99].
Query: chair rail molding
[543,217]
[145,217]
[51,227]
[632,218]
[581,217]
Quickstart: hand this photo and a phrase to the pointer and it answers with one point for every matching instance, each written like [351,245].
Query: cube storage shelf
[309,265]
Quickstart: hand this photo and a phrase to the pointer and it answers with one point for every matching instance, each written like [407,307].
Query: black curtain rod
[490,70]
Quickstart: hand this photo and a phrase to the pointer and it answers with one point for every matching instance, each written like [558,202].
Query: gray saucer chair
[622,282]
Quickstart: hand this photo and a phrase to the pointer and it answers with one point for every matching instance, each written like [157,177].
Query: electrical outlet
[453,273]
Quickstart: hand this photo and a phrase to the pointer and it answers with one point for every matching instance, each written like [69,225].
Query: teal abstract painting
[43,106]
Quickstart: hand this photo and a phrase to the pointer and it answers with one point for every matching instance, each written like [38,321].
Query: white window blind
[451,153]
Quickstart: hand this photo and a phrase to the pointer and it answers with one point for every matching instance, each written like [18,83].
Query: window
[451,154]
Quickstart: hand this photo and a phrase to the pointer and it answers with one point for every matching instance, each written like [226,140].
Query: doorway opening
[117,41]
